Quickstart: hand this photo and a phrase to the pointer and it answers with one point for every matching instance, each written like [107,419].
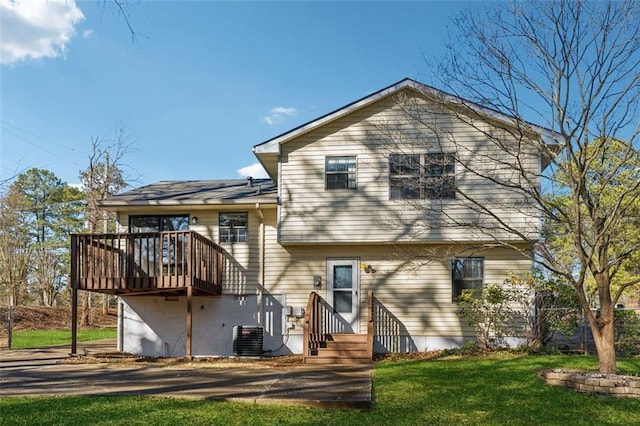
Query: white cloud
[87,33]
[255,170]
[33,29]
[278,114]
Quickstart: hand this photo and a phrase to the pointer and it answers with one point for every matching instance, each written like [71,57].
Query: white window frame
[238,233]
[427,178]
[351,170]
[465,276]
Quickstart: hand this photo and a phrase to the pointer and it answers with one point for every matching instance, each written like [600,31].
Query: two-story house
[362,234]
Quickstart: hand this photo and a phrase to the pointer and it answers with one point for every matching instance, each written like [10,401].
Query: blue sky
[204,81]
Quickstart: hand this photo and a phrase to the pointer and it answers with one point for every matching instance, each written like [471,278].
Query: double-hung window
[232,227]
[340,173]
[466,273]
[421,176]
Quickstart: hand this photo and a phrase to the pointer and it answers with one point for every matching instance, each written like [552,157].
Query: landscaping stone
[618,386]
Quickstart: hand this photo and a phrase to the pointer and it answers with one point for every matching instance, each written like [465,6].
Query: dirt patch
[44,318]
[117,359]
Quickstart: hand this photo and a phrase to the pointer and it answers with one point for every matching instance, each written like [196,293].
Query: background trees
[39,212]
[571,66]
[16,253]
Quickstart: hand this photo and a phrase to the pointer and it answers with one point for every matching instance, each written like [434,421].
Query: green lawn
[22,339]
[494,390]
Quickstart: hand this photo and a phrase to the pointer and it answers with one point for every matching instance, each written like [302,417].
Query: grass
[22,339]
[497,389]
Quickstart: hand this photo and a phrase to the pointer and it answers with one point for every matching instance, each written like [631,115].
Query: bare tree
[48,273]
[573,67]
[103,177]
[16,251]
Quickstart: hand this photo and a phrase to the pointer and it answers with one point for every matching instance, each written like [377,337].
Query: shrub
[552,301]
[489,312]
[627,329]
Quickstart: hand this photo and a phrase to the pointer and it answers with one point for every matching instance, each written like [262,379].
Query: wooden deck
[152,263]
[146,263]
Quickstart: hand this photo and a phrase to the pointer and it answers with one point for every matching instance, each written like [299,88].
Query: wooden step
[347,353]
[344,345]
[345,337]
[341,349]
[336,360]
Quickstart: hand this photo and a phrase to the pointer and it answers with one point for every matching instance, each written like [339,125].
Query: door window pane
[342,276]
[342,301]
[144,224]
[152,223]
[175,223]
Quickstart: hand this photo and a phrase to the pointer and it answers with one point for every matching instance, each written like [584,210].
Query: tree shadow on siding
[273,320]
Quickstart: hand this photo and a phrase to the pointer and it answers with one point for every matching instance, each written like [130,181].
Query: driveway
[325,386]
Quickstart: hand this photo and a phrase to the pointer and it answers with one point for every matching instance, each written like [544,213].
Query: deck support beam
[74,321]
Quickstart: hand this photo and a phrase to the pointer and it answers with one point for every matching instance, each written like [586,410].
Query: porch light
[194,220]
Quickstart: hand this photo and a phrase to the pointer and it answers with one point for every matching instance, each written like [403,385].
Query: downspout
[261,272]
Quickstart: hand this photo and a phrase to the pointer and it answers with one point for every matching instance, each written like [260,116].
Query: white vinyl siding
[309,214]
[416,292]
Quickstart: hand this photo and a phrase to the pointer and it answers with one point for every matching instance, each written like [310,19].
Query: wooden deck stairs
[325,341]
[341,349]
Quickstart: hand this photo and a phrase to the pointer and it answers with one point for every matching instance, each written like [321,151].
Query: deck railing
[314,329]
[145,262]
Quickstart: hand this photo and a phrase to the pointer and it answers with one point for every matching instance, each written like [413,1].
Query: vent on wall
[247,340]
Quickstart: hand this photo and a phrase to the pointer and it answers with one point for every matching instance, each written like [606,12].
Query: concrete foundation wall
[155,326]
[142,331]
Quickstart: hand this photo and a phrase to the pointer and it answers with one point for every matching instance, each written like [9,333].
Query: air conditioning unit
[247,340]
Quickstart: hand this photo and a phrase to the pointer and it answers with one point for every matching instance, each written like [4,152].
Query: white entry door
[343,286]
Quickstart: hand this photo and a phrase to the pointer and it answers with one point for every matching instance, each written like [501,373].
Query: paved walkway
[324,386]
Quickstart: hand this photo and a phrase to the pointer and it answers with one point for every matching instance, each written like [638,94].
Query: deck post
[74,320]
[73,283]
[188,348]
[370,324]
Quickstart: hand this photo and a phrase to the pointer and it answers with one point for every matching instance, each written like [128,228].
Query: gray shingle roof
[197,192]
